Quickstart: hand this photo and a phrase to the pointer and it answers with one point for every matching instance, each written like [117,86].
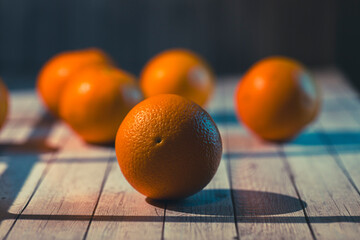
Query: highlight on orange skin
[168,147]
[178,71]
[57,71]
[96,100]
[277,98]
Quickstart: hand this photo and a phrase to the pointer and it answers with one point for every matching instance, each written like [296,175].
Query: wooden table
[54,186]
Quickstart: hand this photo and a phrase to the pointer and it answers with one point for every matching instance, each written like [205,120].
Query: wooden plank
[215,102]
[123,213]
[81,193]
[26,160]
[25,104]
[332,203]
[5,132]
[206,215]
[266,202]
[64,201]
[341,133]
[209,213]
[315,158]
[333,84]
[341,130]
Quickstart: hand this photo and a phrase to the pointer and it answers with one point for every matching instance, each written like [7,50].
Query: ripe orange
[168,147]
[95,101]
[179,72]
[276,98]
[4,102]
[57,71]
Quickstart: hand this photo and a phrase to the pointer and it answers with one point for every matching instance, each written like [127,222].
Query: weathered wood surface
[267,205]
[54,186]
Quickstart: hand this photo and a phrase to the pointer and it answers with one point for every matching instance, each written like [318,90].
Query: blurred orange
[178,71]
[276,98]
[95,101]
[57,71]
[4,102]
[168,147]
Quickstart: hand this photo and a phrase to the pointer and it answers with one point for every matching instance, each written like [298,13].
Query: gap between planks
[240,174]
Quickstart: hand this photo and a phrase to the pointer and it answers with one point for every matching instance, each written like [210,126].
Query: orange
[95,101]
[277,98]
[4,102]
[179,72]
[57,71]
[168,147]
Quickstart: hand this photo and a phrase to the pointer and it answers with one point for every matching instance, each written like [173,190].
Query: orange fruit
[4,102]
[95,101]
[179,72]
[57,71]
[168,147]
[276,98]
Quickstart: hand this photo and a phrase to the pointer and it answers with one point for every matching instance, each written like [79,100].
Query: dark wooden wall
[348,40]
[231,34]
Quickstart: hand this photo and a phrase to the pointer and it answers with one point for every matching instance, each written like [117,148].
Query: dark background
[230,34]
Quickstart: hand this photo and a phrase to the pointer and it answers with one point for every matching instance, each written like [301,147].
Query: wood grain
[266,203]
[25,104]
[36,144]
[26,160]
[64,201]
[315,159]
[123,213]
[332,203]
[341,133]
[206,215]
[53,185]
[209,213]
[341,129]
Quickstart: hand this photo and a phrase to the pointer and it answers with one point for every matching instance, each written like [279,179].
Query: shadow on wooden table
[251,206]
[137,218]
[20,159]
[306,144]
[337,138]
[36,142]
[208,205]
[31,146]
[247,203]
[225,118]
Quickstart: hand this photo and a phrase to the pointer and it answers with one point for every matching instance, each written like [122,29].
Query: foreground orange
[179,72]
[277,98]
[57,71]
[4,102]
[96,100]
[168,147]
